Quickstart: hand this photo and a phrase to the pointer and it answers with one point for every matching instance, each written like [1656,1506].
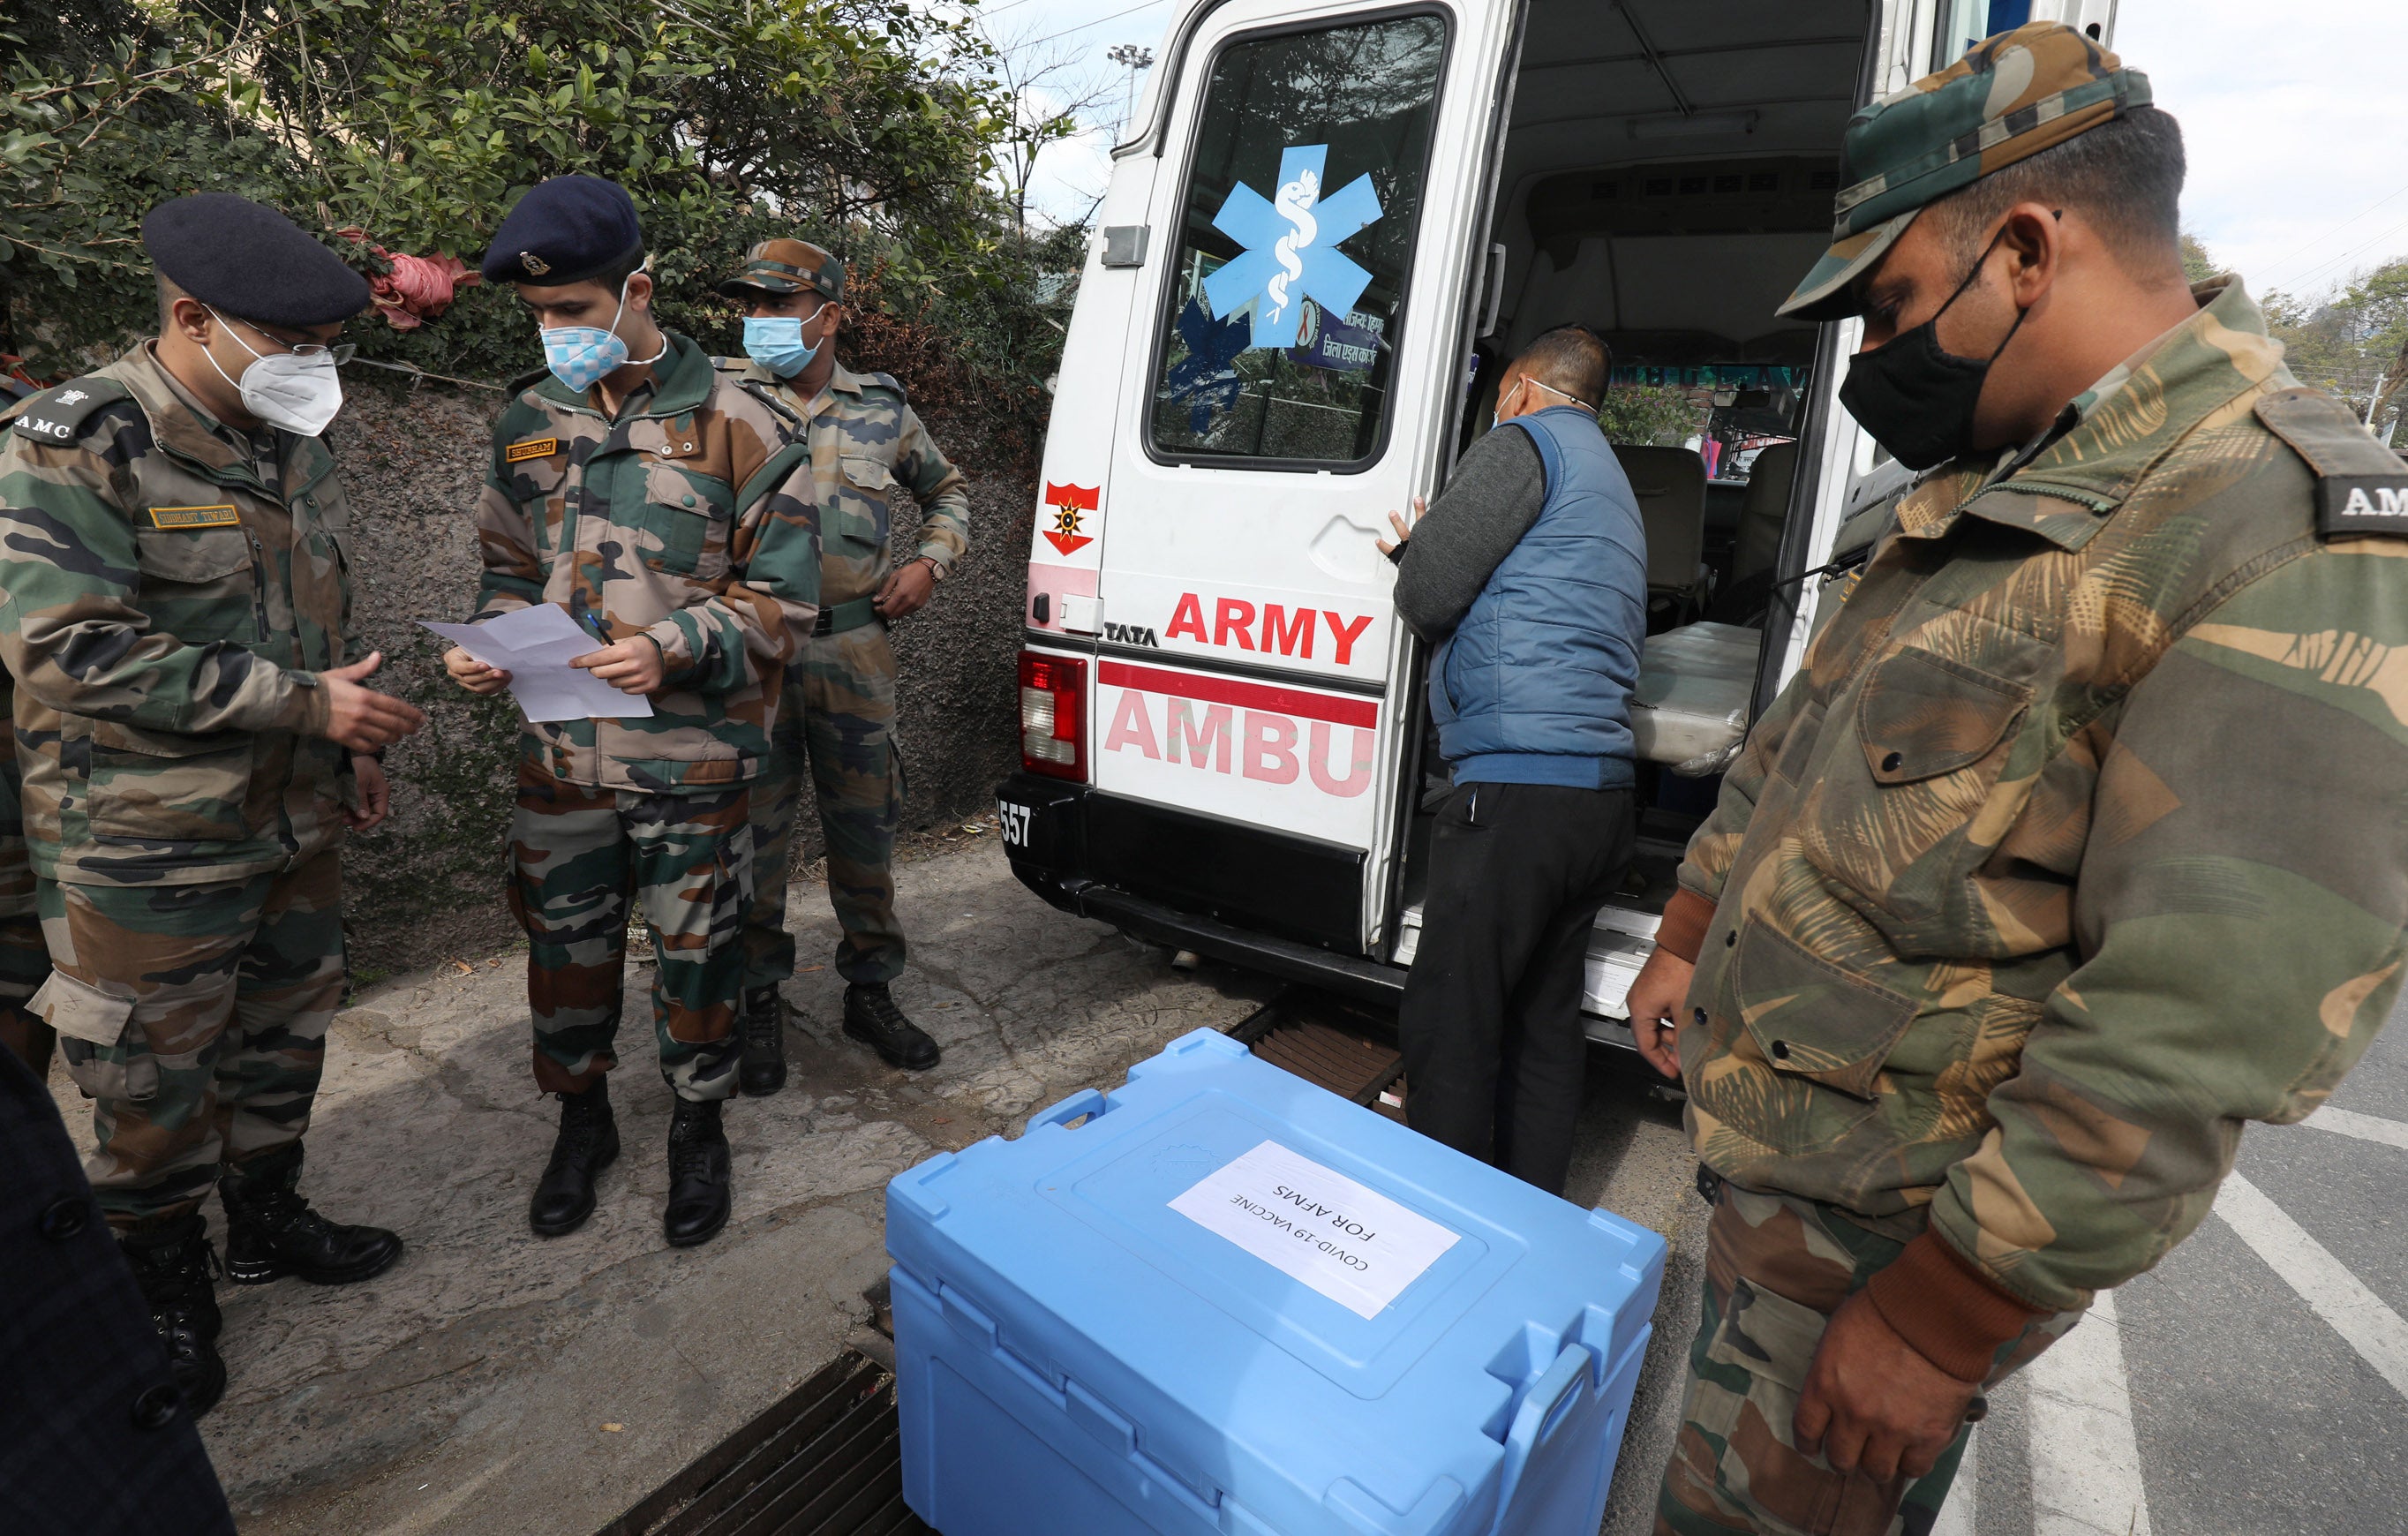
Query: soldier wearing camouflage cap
[195,739]
[637,487]
[2074,845]
[865,440]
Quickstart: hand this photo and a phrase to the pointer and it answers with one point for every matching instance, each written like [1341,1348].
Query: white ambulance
[1327,218]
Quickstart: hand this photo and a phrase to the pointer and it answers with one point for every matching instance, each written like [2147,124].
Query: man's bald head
[1571,360]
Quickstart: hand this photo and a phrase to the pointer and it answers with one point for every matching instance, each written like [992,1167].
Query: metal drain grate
[825,1460]
[1327,1044]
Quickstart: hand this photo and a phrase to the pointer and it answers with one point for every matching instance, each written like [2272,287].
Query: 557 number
[1014,820]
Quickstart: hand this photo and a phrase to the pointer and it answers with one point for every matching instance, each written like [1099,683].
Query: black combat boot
[272,1232]
[173,1264]
[587,1143]
[698,1181]
[764,1070]
[872,1017]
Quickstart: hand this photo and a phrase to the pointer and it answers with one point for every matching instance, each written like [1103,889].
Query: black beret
[251,262]
[563,231]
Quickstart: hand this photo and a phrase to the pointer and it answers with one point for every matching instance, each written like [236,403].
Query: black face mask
[1916,397]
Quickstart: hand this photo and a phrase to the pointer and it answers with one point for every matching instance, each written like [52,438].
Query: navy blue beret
[563,231]
[251,262]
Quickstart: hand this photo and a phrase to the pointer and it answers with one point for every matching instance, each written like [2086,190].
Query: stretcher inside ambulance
[1329,228]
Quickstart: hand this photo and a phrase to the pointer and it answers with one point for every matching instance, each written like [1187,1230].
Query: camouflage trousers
[1777,1266]
[840,709]
[195,1016]
[576,855]
[24,958]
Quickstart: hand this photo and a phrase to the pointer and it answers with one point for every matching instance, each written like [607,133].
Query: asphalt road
[2255,1382]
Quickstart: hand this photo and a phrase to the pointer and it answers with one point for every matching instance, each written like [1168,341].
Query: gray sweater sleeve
[1495,494]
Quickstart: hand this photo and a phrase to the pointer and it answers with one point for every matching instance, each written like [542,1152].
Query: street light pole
[1132,58]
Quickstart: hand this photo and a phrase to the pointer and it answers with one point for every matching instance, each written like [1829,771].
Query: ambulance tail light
[1053,715]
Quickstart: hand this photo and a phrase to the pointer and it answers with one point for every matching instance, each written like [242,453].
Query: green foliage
[871,126]
[1648,413]
[2199,262]
[2351,342]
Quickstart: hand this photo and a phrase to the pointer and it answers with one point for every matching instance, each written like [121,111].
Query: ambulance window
[1279,338]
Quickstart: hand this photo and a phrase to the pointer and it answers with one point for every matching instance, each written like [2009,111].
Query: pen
[586,616]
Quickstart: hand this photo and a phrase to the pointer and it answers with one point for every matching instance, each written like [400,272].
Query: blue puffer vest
[1534,687]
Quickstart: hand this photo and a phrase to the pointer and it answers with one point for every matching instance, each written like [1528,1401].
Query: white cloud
[2291,115]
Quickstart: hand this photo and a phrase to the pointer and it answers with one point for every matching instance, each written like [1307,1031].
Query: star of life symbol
[1291,242]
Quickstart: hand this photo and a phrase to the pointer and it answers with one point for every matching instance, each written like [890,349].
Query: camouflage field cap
[2008,98]
[787,266]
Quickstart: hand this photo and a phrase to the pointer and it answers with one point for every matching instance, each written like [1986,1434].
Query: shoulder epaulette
[528,380]
[2361,486]
[57,415]
[767,395]
[887,381]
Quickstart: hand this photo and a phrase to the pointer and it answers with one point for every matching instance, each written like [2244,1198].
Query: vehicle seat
[1671,485]
[1763,512]
[1757,549]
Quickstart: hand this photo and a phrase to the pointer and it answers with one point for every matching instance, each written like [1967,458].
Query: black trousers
[1495,1054]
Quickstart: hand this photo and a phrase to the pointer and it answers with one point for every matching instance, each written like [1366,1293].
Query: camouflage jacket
[690,518]
[2079,840]
[170,599]
[865,440]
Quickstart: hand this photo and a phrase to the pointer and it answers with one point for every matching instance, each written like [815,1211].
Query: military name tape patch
[534,448]
[2352,506]
[196,517]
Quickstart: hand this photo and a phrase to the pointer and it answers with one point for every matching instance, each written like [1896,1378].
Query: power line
[1100,21]
[2305,277]
[2328,234]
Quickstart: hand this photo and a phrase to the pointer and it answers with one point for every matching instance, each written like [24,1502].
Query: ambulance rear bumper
[1046,824]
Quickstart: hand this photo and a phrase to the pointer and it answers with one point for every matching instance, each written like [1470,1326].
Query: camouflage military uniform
[865,439]
[24,959]
[2007,938]
[175,586]
[688,518]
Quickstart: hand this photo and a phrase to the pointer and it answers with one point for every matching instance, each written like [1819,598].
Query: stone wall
[428,885]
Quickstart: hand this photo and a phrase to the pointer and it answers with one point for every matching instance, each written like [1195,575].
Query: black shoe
[764,1070]
[698,1181]
[271,1231]
[872,1017]
[587,1143]
[173,1265]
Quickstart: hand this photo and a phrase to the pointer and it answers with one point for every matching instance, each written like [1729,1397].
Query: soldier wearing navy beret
[197,737]
[669,511]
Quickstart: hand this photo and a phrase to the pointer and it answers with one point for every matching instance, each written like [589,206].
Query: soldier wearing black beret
[198,738]
[667,509]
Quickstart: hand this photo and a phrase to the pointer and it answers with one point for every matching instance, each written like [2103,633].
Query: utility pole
[1132,58]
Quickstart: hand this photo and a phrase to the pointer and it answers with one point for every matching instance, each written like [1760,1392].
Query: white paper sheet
[1344,1238]
[534,646]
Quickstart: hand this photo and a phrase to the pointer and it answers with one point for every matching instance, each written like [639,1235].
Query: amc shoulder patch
[221,516]
[56,416]
[533,448]
[2361,486]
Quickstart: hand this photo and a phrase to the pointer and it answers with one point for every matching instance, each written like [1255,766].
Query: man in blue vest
[1529,574]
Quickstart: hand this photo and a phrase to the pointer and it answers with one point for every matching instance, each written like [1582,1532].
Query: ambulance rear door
[1286,383]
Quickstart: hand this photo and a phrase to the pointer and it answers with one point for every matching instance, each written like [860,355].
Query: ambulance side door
[1285,386]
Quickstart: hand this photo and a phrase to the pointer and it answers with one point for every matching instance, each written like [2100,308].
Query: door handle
[1495,296]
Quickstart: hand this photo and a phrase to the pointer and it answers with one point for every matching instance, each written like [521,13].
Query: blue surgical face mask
[581,356]
[775,342]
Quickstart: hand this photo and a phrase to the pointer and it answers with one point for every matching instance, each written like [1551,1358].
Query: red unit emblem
[1068,502]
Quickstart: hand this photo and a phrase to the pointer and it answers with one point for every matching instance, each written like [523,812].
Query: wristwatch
[935,566]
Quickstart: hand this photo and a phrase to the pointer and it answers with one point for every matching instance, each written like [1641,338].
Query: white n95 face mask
[298,390]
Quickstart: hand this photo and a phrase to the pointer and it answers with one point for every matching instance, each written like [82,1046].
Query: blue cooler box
[1228,1301]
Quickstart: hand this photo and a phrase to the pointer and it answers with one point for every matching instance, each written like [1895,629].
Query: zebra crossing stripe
[2322,1281]
[2086,1460]
[2366,1128]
